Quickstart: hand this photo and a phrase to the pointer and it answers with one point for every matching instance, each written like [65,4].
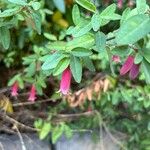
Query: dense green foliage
[47,36]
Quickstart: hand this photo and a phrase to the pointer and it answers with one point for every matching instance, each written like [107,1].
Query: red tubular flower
[32,95]
[127,65]
[116,58]
[14,89]
[134,71]
[120,3]
[65,81]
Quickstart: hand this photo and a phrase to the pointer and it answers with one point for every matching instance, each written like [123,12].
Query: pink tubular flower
[127,65]
[134,71]
[32,95]
[65,81]
[116,58]
[130,67]
[14,89]
[120,3]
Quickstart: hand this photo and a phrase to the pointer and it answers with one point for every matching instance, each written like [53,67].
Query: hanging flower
[14,89]
[32,95]
[120,3]
[134,71]
[127,65]
[65,81]
[116,58]
[130,67]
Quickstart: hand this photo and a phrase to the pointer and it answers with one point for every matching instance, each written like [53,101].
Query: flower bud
[32,95]
[14,89]
[127,65]
[65,81]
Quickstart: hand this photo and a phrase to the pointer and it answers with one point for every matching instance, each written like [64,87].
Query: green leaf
[43,58]
[60,4]
[20,82]
[62,65]
[76,68]
[146,103]
[96,22]
[29,59]
[115,98]
[18,2]
[31,69]
[125,15]
[141,6]
[109,14]
[133,30]
[79,31]
[41,81]
[11,22]
[68,131]
[146,70]
[109,10]
[35,5]
[131,13]
[121,51]
[37,21]
[83,26]
[58,45]
[81,52]
[111,17]
[57,133]
[18,79]
[146,54]
[88,63]
[87,5]
[52,61]
[38,123]
[76,14]
[13,80]
[9,12]
[148,127]
[5,37]
[45,130]
[85,41]
[70,30]
[138,58]
[50,36]
[100,40]
[39,88]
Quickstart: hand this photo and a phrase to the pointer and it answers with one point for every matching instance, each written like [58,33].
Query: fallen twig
[88,113]
[20,137]
[115,140]
[31,103]
[17,123]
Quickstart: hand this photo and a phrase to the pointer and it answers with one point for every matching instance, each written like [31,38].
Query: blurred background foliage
[125,106]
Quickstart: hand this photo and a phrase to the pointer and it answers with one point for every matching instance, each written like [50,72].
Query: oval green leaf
[62,65]
[133,30]
[76,68]
[87,5]
[81,52]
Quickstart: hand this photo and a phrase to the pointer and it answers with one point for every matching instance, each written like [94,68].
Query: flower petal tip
[127,65]
[65,81]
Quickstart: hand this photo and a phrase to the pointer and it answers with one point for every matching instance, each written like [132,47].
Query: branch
[17,123]
[31,103]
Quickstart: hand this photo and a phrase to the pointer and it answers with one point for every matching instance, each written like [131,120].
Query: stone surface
[86,143]
[31,142]
[77,142]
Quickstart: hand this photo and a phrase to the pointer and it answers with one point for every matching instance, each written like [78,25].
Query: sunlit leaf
[87,5]
[133,30]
